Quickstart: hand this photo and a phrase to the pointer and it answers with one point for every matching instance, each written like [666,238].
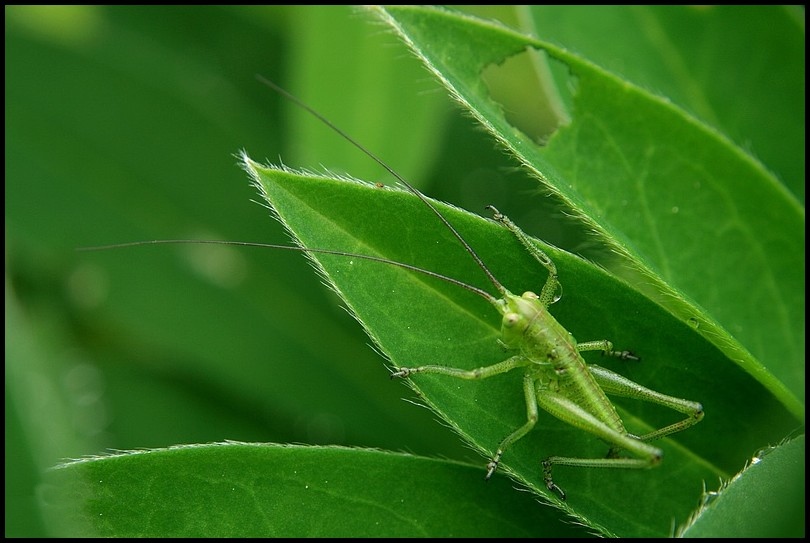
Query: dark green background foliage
[674,160]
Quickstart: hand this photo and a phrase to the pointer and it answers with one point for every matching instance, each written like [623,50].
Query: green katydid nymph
[556,378]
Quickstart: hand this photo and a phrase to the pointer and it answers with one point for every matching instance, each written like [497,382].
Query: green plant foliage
[775,477]
[684,190]
[258,490]
[683,169]
[425,320]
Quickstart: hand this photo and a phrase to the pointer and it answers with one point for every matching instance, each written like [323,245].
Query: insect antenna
[390,170]
[475,290]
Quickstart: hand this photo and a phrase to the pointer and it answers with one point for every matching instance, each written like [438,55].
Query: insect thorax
[527,325]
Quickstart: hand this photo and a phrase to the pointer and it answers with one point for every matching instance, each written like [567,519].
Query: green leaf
[260,490]
[697,56]
[697,220]
[122,123]
[417,320]
[767,499]
[379,87]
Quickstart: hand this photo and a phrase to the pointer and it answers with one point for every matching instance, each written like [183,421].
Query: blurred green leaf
[197,328]
[393,106]
[122,124]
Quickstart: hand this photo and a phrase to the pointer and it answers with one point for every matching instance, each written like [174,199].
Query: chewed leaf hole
[534,91]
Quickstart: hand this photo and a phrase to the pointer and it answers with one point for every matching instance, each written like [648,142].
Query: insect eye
[510,319]
[529,295]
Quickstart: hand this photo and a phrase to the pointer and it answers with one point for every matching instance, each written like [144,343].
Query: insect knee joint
[403,372]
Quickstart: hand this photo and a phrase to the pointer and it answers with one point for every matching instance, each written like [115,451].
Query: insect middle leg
[607,349]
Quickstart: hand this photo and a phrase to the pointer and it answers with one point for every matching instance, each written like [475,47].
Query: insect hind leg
[617,385]
[645,455]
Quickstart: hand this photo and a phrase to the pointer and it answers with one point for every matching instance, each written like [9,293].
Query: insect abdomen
[550,343]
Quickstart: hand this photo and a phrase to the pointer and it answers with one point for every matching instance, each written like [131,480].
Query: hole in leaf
[535,92]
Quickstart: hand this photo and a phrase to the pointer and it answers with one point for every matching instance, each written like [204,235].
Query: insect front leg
[552,290]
